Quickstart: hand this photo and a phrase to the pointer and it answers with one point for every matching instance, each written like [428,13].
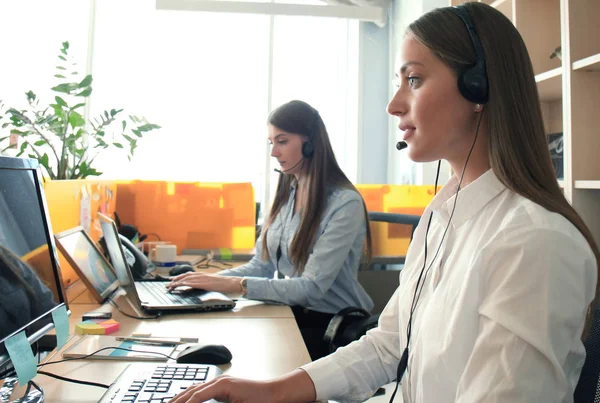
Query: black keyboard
[151,383]
[159,292]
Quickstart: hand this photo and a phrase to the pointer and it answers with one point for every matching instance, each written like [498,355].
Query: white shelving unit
[569,89]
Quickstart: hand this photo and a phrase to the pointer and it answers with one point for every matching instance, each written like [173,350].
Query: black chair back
[587,387]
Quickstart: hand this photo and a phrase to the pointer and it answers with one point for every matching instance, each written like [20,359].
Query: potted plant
[58,135]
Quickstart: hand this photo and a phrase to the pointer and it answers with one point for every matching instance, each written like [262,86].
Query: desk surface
[262,346]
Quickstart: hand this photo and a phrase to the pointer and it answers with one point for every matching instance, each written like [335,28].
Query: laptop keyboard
[149,383]
[159,292]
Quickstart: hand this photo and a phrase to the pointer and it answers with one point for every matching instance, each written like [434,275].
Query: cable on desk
[102,349]
[62,378]
[113,303]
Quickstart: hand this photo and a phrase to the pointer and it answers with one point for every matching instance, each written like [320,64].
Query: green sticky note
[61,323]
[22,357]
[225,253]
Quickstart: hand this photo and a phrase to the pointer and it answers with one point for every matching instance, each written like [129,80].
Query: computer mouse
[216,354]
[180,269]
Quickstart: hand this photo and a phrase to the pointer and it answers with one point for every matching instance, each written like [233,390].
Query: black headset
[473,86]
[308,149]
[473,82]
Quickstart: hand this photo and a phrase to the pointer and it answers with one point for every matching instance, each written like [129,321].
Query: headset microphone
[289,169]
[401,145]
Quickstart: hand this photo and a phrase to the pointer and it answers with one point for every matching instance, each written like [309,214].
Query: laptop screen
[86,258]
[117,257]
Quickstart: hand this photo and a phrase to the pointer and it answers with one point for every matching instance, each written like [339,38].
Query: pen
[148,340]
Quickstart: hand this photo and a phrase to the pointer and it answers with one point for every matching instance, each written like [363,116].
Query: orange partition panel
[76,202]
[393,239]
[191,215]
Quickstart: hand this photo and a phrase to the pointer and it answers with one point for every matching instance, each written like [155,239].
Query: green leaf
[60,101]
[148,127]
[85,93]
[11,146]
[3,138]
[40,143]
[136,132]
[78,106]
[30,96]
[124,123]
[86,81]
[44,161]
[60,68]
[76,120]
[118,145]
[62,58]
[64,88]
[5,125]
[23,148]
[59,76]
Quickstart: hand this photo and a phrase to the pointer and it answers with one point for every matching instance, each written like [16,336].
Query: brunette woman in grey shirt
[316,235]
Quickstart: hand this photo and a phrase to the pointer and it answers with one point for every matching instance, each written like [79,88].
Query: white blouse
[500,316]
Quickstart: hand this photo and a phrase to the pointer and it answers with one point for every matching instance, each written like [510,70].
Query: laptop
[153,296]
[89,263]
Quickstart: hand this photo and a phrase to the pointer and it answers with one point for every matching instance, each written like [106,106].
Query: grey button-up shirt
[329,280]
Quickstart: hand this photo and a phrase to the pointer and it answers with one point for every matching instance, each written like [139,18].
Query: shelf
[549,84]
[591,63]
[504,6]
[587,184]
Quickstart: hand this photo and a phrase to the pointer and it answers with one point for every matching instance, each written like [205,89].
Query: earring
[478,107]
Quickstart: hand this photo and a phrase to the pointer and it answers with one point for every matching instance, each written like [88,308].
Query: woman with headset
[316,235]
[500,280]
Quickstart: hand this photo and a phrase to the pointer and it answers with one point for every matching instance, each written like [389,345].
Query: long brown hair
[322,171]
[10,270]
[517,144]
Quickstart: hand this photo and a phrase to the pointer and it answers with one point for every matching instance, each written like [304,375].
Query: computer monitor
[30,281]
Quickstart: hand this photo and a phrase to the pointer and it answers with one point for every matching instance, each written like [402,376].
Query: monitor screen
[91,266]
[30,285]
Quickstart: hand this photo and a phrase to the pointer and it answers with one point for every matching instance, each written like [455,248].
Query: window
[206,78]
[34,31]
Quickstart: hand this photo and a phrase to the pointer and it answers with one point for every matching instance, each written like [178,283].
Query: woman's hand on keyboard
[295,387]
[203,281]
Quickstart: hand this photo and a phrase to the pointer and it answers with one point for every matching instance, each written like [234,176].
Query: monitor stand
[11,393]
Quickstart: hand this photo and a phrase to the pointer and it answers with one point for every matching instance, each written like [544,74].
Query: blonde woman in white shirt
[501,275]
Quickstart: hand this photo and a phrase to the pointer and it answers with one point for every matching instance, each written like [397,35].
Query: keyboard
[151,383]
[160,294]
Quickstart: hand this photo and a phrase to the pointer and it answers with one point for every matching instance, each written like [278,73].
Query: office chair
[393,218]
[352,323]
[587,388]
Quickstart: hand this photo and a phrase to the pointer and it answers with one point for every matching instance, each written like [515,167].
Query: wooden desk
[264,340]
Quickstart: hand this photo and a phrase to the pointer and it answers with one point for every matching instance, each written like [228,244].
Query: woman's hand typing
[204,281]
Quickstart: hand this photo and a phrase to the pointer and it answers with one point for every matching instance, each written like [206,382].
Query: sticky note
[61,323]
[22,357]
[225,253]
[97,327]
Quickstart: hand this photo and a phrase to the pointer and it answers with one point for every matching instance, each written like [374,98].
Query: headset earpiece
[308,149]
[473,82]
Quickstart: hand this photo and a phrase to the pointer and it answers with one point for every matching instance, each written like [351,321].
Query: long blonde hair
[517,143]
[300,118]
